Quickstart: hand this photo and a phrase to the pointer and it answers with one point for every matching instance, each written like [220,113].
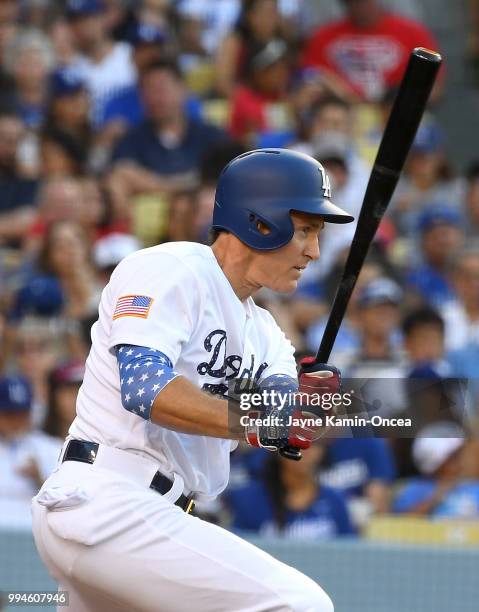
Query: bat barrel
[408,109]
[398,136]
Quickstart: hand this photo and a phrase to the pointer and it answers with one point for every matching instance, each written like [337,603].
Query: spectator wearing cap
[18,192]
[259,115]
[105,66]
[109,250]
[441,491]
[441,236]
[126,108]
[64,382]
[163,153]
[369,48]
[27,456]
[379,359]
[428,177]
[69,108]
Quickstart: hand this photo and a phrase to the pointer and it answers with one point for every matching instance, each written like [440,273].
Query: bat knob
[290,452]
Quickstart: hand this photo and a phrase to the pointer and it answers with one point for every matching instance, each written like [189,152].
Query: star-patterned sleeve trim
[144,373]
[281,383]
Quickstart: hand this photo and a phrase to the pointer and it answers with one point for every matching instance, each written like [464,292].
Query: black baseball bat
[398,136]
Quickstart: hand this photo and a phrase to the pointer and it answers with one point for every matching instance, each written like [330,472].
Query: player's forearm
[182,407]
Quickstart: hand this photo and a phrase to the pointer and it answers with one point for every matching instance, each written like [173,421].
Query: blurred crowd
[116,118]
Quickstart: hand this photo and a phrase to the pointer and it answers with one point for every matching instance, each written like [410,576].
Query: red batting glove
[318,378]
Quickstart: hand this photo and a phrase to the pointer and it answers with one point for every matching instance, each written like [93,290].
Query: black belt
[86,452]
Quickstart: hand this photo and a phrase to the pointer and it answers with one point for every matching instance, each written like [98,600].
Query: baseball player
[177,323]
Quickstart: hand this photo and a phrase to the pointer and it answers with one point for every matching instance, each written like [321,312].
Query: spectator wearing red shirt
[369,48]
[257,114]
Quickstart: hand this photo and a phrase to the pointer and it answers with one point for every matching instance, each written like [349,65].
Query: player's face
[281,269]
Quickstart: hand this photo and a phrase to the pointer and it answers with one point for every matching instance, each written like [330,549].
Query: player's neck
[234,266]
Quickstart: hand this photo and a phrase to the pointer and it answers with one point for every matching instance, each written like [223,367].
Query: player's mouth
[299,268]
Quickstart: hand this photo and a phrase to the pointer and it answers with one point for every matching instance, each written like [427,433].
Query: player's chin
[286,286]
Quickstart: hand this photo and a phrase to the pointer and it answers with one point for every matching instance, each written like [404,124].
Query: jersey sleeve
[155,303]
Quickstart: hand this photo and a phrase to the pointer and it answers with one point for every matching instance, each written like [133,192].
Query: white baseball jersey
[210,336]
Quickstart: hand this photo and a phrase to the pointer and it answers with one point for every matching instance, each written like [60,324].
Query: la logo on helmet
[326,183]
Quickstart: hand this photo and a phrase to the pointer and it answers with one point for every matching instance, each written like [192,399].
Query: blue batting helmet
[263,187]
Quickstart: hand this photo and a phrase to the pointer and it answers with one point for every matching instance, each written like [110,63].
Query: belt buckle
[190,506]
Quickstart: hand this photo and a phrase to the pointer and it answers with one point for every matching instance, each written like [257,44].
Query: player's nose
[312,248]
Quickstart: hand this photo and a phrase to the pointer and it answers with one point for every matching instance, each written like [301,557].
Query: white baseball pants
[116,545]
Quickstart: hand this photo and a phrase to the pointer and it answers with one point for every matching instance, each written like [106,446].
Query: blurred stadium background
[116,117]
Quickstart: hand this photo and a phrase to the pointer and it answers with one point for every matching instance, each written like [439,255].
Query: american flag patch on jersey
[133,306]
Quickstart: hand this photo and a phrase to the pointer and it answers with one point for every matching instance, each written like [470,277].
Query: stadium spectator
[64,382]
[18,193]
[423,336]
[461,315]
[441,491]
[191,212]
[105,66]
[441,236]
[329,121]
[27,456]
[28,59]
[61,154]
[427,178]
[377,323]
[204,23]
[69,106]
[163,153]
[125,108]
[369,48]
[64,282]
[349,179]
[361,469]
[290,502]
[9,25]
[258,23]
[34,344]
[259,115]
[59,198]
[326,133]
[110,250]
[378,362]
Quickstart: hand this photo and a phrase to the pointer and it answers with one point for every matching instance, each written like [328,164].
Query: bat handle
[290,452]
